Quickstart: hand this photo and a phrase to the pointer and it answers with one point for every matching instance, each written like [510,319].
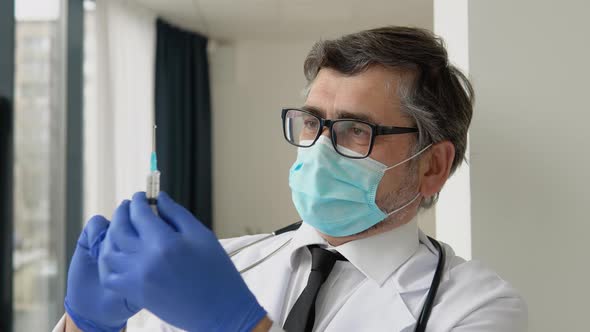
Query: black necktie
[302,316]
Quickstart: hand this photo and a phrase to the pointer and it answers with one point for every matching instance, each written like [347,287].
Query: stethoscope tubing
[262,260]
[291,227]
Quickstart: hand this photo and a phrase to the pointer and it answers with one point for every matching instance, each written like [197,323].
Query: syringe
[153,179]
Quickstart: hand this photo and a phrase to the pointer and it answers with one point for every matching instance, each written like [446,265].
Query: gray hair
[434,93]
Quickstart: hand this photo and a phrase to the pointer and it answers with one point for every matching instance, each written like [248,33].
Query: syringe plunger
[153,187]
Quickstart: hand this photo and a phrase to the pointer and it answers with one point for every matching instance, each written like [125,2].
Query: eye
[310,123]
[359,132]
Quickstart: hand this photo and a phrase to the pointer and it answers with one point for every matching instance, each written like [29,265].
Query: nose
[326,132]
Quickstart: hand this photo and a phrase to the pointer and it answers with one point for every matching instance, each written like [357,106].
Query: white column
[453,210]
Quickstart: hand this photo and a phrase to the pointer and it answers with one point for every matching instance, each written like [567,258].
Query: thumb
[93,234]
[176,215]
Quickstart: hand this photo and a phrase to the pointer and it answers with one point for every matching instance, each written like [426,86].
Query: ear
[436,167]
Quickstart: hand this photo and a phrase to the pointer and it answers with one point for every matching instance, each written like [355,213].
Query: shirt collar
[377,256]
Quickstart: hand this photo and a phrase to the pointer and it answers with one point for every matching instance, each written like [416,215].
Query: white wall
[251,82]
[529,152]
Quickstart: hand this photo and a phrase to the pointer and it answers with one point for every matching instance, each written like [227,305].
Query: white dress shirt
[382,286]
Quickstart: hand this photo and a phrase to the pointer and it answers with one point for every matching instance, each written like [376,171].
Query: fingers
[114,268]
[112,260]
[176,215]
[143,219]
[93,232]
[120,280]
[116,282]
[121,231]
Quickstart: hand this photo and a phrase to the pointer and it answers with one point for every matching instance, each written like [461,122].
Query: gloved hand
[176,268]
[91,306]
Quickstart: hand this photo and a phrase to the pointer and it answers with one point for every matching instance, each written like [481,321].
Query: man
[383,126]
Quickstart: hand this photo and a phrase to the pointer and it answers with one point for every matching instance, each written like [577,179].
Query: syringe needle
[154,139]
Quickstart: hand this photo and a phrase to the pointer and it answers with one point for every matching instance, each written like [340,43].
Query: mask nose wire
[409,158]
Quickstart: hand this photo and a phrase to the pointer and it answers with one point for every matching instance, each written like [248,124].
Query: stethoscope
[428,304]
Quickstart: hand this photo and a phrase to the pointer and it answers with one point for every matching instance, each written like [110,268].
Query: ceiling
[289,19]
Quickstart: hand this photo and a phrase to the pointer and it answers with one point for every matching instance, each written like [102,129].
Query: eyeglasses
[350,138]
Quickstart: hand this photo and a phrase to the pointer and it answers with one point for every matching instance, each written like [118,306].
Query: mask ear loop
[409,158]
[418,194]
[405,205]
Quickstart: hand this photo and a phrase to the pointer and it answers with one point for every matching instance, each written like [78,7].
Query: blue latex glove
[176,268]
[92,307]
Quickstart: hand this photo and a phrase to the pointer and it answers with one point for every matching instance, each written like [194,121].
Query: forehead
[372,93]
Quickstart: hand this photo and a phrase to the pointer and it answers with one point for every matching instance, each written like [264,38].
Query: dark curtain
[6,224]
[183,117]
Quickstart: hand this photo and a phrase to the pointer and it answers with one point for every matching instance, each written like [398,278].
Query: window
[38,256]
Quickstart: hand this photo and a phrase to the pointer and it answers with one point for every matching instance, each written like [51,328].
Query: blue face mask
[335,194]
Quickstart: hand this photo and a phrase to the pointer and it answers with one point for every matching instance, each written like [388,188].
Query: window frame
[73,31]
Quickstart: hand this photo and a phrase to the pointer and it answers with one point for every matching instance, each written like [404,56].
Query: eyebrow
[314,110]
[341,114]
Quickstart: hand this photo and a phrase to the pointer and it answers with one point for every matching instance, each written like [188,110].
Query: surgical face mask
[336,195]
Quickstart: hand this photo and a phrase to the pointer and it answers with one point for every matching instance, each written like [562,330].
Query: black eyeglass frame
[376,130]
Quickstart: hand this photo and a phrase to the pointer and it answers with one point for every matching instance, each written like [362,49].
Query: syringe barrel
[153,187]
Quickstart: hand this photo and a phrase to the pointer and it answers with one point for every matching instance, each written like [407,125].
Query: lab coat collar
[418,275]
[306,235]
[377,256]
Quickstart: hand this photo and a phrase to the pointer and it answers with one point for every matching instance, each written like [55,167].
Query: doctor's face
[372,96]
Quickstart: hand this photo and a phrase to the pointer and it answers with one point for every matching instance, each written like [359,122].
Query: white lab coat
[471,297]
